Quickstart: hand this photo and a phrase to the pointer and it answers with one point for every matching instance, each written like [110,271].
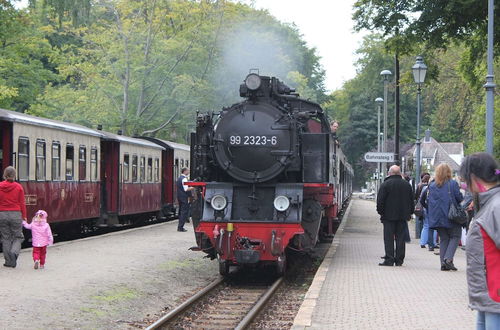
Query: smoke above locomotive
[268,169]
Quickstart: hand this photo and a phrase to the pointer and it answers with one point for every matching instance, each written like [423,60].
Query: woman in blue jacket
[442,192]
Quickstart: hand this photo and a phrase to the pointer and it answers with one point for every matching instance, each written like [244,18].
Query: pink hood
[40,233]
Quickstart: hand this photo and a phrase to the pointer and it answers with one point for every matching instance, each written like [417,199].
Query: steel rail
[176,311]
[258,306]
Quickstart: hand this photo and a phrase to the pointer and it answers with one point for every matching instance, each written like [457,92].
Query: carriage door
[5,145]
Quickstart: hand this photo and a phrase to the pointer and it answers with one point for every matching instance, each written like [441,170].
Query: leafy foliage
[25,60]
[436,23]
[146,67]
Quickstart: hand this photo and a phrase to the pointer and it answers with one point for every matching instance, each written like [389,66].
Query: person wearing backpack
[426,235]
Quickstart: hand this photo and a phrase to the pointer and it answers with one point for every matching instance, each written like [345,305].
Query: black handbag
[419,212]
[456,214]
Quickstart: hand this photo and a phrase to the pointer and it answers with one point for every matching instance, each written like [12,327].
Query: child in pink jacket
[41,237]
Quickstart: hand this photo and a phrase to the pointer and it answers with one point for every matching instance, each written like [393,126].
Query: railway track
[220,305]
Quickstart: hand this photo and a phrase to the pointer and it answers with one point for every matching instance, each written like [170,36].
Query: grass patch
[179,264]
[93,311]
[118,294]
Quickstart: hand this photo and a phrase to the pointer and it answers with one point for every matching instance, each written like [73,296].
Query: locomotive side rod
[176,311]
[258,306]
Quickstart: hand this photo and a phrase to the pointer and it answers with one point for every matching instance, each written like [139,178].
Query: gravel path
[112,281]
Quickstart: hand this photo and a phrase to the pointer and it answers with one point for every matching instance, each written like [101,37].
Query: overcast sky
[326,25]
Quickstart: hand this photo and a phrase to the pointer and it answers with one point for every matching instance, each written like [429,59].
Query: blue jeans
[428,236]
[488,321]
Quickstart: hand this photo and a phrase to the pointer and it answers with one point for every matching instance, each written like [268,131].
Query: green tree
[437,23]
[25,59]
[147,66]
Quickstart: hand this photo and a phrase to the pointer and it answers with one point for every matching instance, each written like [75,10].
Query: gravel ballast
[111,281]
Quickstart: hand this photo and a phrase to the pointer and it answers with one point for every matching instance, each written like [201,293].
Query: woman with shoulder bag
[444,192]
[482,175]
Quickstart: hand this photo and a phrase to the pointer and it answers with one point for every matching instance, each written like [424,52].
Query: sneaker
[422,246]
[37,263]
[42,266]
[182,229]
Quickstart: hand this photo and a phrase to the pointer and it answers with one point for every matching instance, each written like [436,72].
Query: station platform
[351,291]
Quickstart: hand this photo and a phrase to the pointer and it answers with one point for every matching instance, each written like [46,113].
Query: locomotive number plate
[253,140]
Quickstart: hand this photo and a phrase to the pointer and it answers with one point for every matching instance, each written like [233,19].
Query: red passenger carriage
[57,164]
[89,177]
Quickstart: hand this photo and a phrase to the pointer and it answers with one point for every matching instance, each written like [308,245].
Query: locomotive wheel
[281,265]
[324,237]
[223,267]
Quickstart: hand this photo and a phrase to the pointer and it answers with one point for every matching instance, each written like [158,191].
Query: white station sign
[379,157]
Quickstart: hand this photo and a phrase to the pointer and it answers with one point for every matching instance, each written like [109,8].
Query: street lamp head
[379,100]
[386,74]
[419,70]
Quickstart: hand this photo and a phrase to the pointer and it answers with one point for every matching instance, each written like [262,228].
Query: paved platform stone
[351,291]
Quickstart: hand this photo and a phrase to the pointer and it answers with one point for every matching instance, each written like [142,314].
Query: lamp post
[490,84]
[379,102]
[385,74]
[419,70]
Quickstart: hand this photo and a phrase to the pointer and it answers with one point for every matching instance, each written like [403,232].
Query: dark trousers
[11,230]
[183,214]
[449,239]
[394,231]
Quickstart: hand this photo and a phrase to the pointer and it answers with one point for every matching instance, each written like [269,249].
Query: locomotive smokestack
[120,132]
[99,127]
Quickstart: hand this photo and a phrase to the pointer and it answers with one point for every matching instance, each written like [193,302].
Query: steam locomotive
[270,176]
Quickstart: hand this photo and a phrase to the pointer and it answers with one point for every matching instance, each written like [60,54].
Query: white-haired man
[395,204]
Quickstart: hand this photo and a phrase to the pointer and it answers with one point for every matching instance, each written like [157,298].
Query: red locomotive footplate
[269,239]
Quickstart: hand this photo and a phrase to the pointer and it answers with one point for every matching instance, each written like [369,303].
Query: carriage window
[56,161]
[40,160]
[93,164]
[182,163]
[70,154]
[143,170]
[134,168]
[82,163]
[23,151]
[187,163]
[176,168]
[150,169]
[126,162]
[157,170]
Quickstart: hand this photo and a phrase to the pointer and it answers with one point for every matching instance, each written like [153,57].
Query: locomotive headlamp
[252,81]
[281,203]
[218,202]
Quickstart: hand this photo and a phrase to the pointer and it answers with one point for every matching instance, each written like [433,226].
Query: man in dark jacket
[183,194]
[395,204]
